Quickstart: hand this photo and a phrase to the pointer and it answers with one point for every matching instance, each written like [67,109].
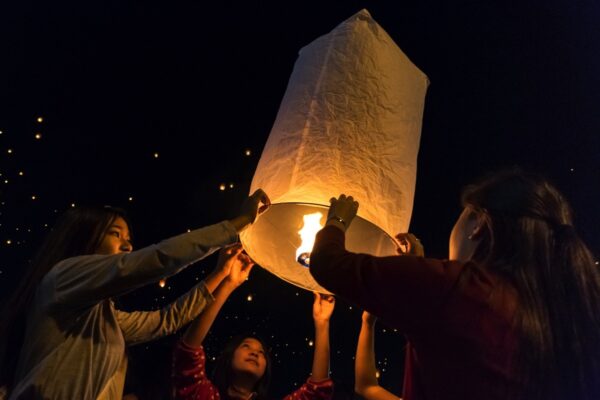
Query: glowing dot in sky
[40,119]
[311,343]
[8,241]
[155,155]
[20,173]
[38,136]
[231,185]
[222,187]
[130,198]
[162,282]
[9,151]
[33,197]
[249,298]
[72,204]
[248,152]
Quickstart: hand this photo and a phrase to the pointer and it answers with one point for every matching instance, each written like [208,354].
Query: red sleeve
[403,291]
[311,390]
[189,374]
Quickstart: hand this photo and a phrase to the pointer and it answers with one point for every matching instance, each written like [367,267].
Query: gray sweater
[74,346]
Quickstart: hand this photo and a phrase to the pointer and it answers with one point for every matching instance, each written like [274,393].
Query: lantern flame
[312,224]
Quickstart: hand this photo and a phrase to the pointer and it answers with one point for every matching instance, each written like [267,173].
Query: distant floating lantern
[162,283]
[349,122]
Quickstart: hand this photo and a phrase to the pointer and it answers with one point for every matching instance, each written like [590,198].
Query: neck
[241,387]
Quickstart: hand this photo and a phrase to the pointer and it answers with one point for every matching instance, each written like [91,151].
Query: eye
[115,233]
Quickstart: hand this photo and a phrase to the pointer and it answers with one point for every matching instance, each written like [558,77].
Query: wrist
[337,222]
[321,323]
[231,284]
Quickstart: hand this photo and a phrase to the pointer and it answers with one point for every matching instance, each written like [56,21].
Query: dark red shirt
[458,319]
[191,383]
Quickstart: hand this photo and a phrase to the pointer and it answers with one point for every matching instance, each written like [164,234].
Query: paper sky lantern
[349,122]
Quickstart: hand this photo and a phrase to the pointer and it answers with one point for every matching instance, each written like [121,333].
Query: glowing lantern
[350,122]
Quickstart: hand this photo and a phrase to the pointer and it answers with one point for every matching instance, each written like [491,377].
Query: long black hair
[79,231]
[530,240]
[223,368]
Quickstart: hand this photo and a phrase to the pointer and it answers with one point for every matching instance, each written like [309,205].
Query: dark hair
[531,242]
[223,368]
[78,231]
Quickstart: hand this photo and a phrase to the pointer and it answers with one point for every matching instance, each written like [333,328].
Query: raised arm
[85,280]
[322,309]
[365,378]
[237,266]
[142,326]
[407,292]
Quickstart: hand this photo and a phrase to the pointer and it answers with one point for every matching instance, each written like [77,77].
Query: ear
[479,227]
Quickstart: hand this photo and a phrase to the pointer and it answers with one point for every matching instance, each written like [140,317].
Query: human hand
[368,318]
[342,211]
[410,245]
[235,264]
[323,307]
[251,209]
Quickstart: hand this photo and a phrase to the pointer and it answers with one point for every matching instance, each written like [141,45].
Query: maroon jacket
[458,319]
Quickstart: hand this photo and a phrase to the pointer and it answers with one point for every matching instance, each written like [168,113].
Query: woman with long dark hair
[243,369]
[514,313]
[62,336]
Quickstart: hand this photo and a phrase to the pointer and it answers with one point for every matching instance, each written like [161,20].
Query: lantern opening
[312,224]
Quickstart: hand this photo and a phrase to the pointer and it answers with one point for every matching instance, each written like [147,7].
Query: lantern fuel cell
[349,122]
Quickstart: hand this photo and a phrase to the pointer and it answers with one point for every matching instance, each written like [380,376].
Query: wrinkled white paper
[350,122]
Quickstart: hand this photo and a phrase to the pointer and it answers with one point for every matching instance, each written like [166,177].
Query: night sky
[153,106]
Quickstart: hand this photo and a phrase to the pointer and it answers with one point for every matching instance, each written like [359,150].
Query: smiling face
[249,357]
[116,239]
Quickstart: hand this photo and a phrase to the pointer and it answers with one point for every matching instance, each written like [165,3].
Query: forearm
[198,329]
[214,279]
[364,366]
[240,223]
[320,368]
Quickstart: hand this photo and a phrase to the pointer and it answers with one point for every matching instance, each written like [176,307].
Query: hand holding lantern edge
[251,209]
[342,211]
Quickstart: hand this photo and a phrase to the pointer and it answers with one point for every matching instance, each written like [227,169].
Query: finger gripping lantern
[349,122]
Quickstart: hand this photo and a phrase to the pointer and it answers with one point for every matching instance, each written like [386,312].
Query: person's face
[116,239]
[465,235]
[249,357]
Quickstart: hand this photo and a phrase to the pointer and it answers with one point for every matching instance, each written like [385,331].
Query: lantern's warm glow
[327,140]
[162,282]
[312,225]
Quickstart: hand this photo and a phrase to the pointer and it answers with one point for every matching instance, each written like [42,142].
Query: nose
[126,246]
